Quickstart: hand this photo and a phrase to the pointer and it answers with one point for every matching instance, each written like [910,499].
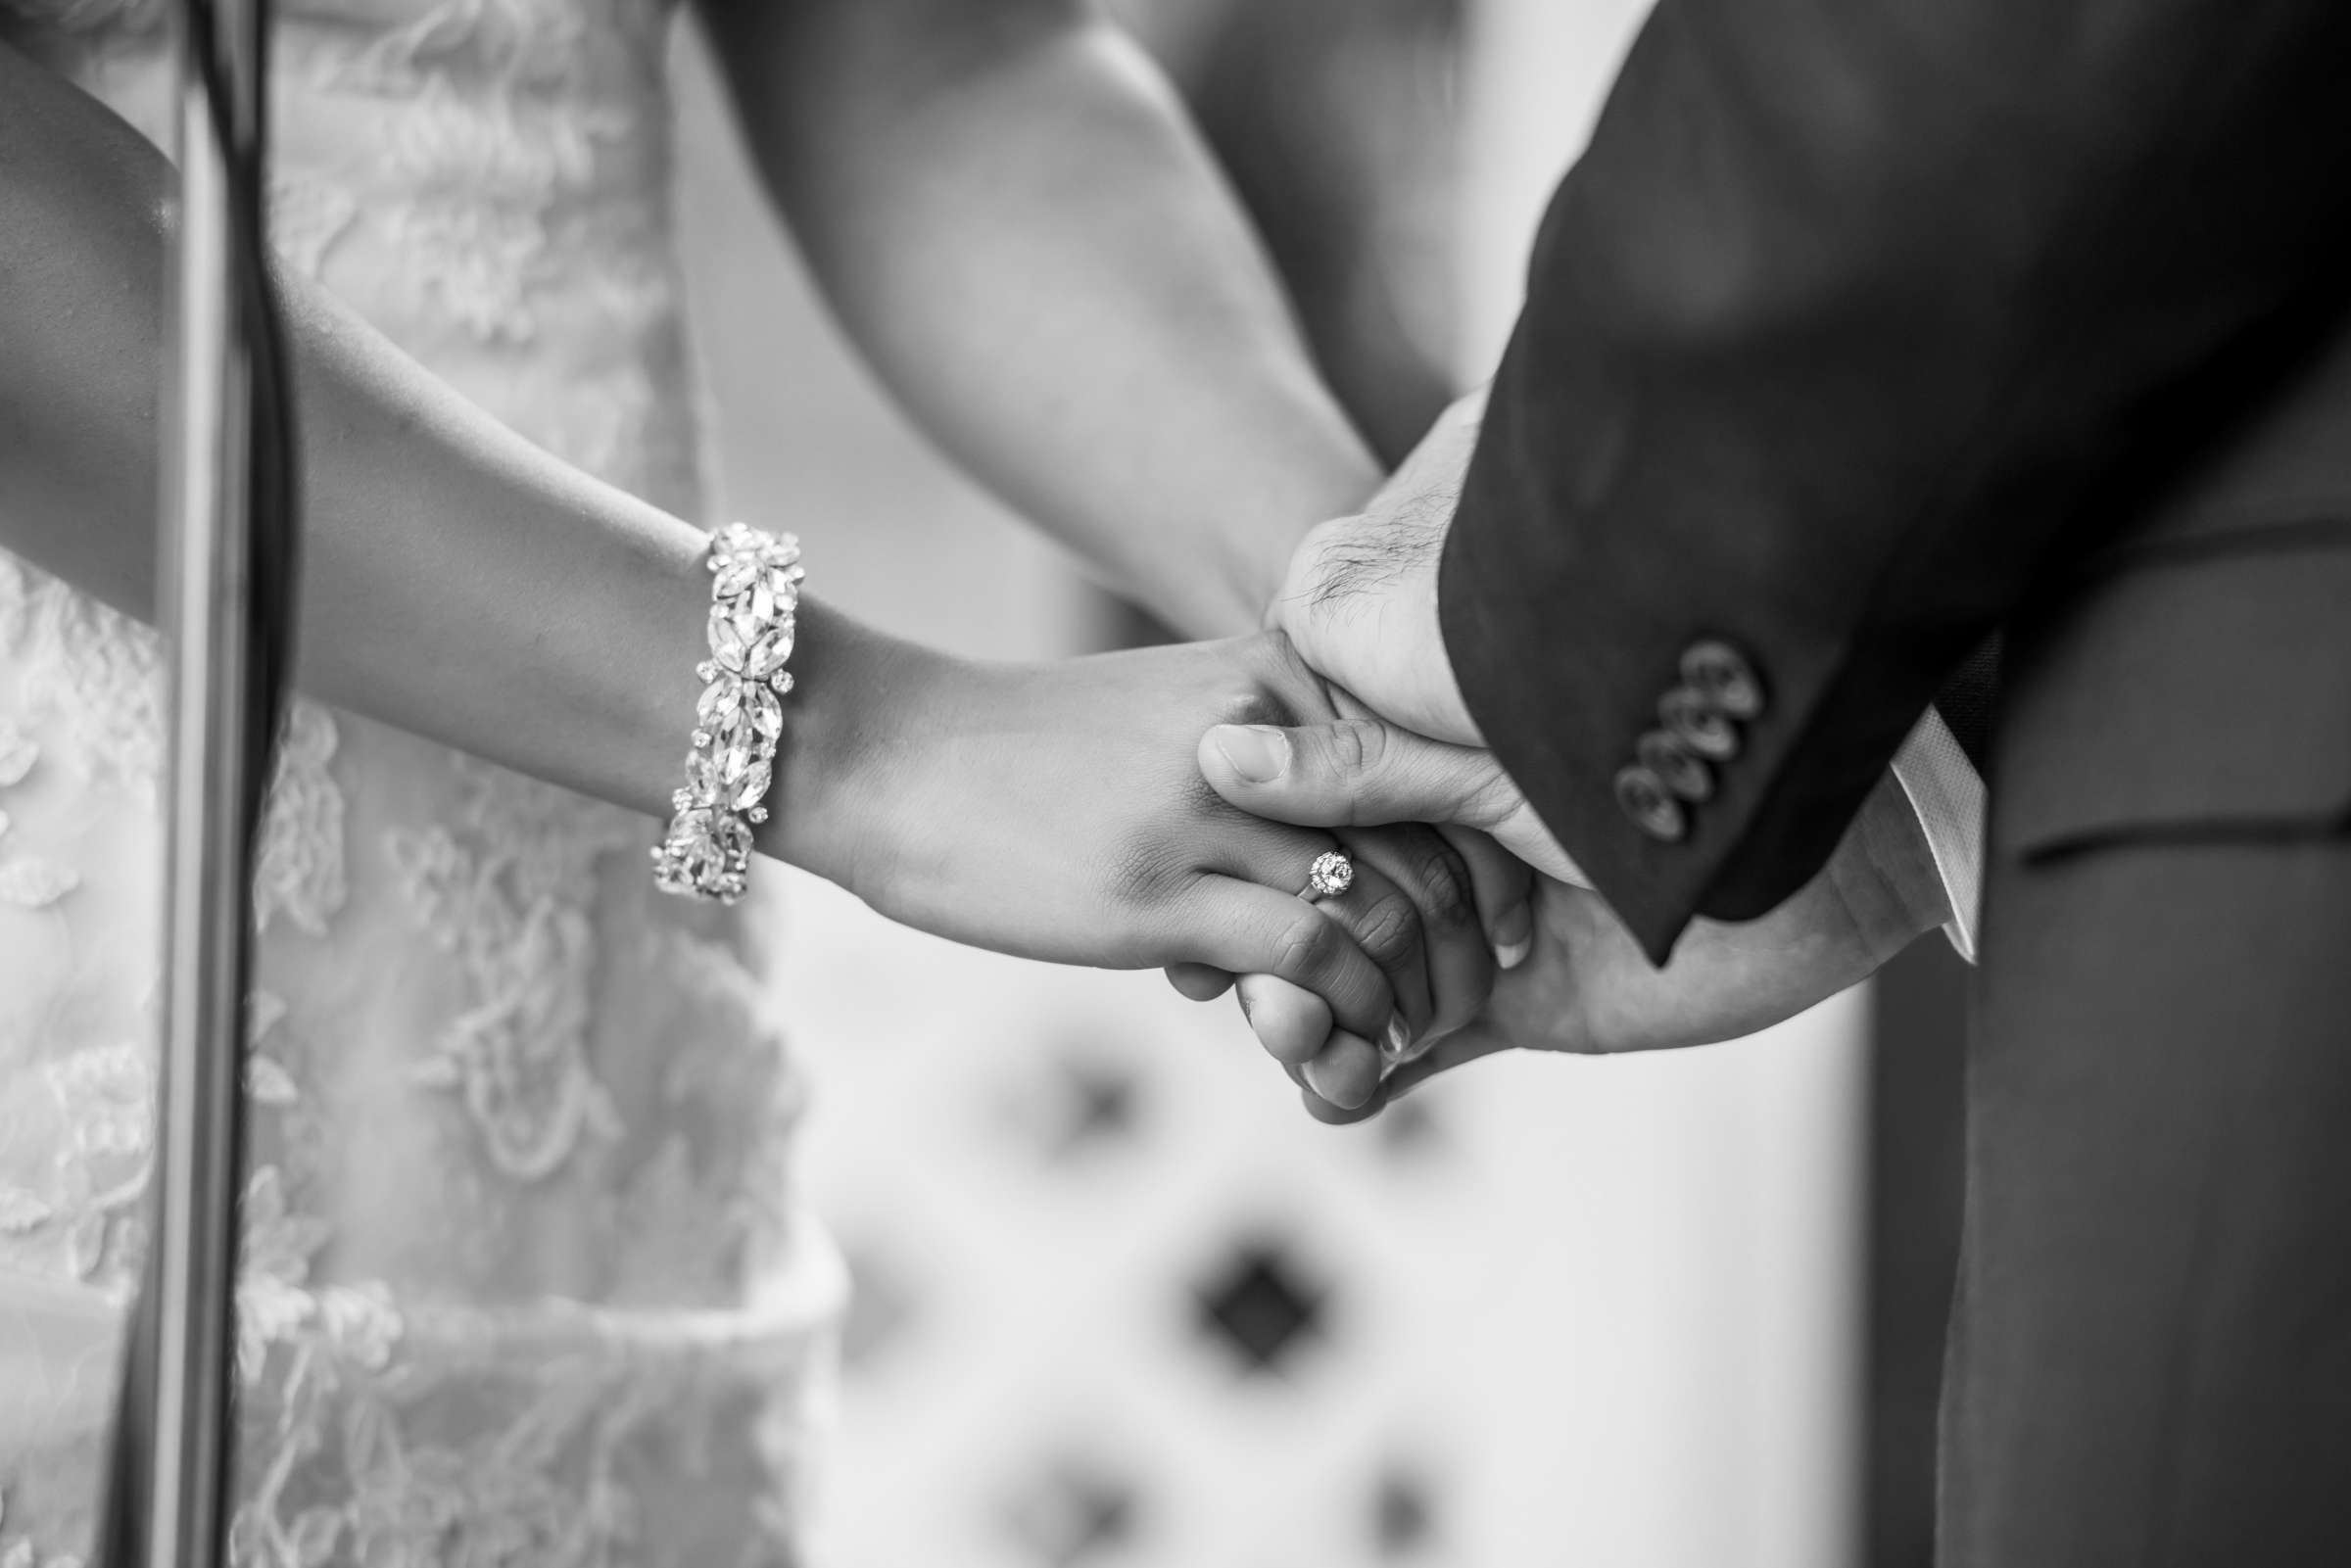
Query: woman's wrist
[855,693]
[860,699]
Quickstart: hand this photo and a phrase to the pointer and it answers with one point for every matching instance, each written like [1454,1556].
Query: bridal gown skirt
[523,1277]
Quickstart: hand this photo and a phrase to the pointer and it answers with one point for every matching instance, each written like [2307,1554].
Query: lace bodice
[523,1276]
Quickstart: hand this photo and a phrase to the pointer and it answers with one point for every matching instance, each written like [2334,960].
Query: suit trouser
[2151,1356]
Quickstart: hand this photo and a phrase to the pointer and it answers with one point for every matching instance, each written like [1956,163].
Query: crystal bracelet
[754,597]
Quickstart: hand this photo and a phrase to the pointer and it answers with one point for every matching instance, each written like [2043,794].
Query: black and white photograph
[1174,783]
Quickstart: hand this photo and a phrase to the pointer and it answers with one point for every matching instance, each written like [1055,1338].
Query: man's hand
[1360,600]
[1361,772]
[1586,987]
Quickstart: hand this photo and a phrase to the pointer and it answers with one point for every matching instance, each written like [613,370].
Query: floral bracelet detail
[755,598]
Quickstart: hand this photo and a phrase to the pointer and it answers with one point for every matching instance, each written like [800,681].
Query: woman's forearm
[459,582]
[1007,210]
[462,583]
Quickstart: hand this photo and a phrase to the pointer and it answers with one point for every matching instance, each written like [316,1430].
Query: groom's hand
[1360,600]
[1589,989]
[1586,987]
[1361,772]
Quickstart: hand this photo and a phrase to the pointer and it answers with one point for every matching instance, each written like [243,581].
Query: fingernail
[1398,1045]
[1258,753]
[1315,1074]
[1515,937]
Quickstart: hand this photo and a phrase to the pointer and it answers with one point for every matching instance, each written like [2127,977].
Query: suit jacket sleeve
[1850,318]
[1966,700]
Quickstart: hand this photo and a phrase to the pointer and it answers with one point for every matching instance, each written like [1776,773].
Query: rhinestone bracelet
[755,594]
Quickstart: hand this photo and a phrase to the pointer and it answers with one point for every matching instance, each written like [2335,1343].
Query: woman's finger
[1199,983]
[1252,930]
[1345,1073]
[1447,1054]
[1348,1075]
[1456,958]
[1292,1023]
[1385,920]
[1382,917]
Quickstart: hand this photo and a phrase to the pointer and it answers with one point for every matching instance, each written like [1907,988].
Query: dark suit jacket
[1854,325]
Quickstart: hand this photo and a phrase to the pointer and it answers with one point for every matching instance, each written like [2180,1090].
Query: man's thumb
[1347,773]
[1363,773]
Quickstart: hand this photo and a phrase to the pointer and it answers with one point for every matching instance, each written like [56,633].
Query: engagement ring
[1331,875]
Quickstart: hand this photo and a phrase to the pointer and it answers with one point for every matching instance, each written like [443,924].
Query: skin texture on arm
[1009,214]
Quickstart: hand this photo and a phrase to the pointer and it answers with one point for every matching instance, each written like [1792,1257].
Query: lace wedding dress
[523,1281]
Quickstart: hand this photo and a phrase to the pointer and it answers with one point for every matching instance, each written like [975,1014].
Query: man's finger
[1362,772]
[1449,1053]
[1346,773]
[1505,890]
[1199,983]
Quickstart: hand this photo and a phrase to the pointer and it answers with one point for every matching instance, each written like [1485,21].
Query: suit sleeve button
[1702,728]
[1644,798]
[1684,774]
[1717,672]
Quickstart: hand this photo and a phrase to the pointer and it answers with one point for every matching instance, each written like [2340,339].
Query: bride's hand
[1056,812]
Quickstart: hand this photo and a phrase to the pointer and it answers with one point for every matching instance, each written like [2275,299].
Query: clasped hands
[1360,607]
[1162,808]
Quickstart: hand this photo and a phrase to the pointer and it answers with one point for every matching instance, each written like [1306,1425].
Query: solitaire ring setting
[1331,874]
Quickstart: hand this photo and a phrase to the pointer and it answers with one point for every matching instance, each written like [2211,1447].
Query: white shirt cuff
[1948,794]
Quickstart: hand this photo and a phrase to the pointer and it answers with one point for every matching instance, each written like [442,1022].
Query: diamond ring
[1331,875]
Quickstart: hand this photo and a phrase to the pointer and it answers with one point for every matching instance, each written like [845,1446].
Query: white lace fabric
[524,1281]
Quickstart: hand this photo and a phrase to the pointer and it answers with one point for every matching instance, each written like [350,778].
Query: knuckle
[1491,800]
[1356,745]
[1141,872]
[1307,946]
[1444,878]
[1389,933]
[1197,800]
